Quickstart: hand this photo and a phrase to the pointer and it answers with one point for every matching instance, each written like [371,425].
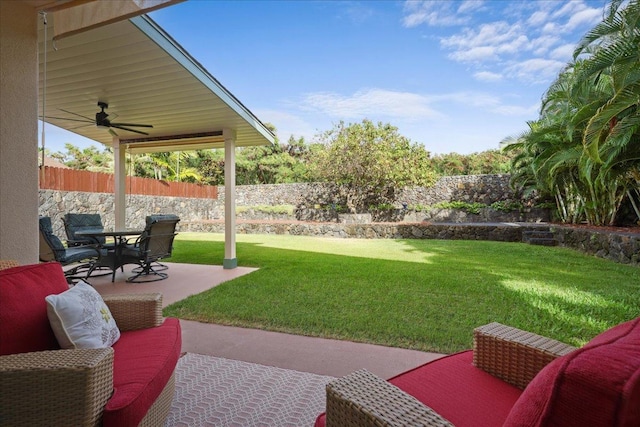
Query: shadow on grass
[432,305]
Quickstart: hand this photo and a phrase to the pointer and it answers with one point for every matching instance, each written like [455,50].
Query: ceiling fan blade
[67,118]
[112,132]
[76,114]
[80,126]
[128,129]
[131,124]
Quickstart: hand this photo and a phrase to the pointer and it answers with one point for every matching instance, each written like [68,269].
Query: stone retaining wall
[497,232]
[55,204]
[471,189]
[623,248]
[615,246]
[468,188]
[208,214]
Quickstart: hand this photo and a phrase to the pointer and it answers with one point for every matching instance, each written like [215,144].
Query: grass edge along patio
[420,294]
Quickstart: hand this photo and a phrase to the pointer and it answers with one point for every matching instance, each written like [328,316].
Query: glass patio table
[112,257]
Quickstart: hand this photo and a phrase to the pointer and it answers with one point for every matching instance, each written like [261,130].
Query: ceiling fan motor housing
[101,116]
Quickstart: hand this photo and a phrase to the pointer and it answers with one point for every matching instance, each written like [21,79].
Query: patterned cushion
[80,318]
[74,222]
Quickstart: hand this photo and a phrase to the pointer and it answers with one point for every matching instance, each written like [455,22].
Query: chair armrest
[8,263]
[362,399]
[55,388]
[81,242]
[135,311]
[514,355]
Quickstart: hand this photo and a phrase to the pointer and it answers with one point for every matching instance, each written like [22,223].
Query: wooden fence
[97,182]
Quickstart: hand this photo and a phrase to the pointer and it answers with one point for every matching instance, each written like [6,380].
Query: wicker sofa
[510,378]
[128,384]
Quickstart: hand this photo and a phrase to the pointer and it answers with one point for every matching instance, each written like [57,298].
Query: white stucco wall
[18,132]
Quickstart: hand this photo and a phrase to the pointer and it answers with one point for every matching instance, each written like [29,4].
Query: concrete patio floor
[307,354]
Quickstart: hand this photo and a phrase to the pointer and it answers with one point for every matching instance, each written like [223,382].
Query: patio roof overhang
[145,77]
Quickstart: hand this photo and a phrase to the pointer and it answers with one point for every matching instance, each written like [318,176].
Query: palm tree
[611,137]
[167,166]
[585,147]
[612,48]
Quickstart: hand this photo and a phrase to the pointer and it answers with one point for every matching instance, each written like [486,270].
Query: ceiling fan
[103,122]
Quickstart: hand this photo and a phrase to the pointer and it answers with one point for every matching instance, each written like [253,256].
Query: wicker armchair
[71,387]
[363,399]
[8,263]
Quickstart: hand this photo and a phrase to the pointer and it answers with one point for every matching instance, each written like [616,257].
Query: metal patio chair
[74,222]
[52,249]
[155,243]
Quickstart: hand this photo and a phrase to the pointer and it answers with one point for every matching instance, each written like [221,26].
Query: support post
[230,261]
[119,184]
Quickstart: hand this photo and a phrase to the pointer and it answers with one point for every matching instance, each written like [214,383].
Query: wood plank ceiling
[145,77]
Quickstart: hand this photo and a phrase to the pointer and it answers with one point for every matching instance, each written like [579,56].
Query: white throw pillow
[80,318]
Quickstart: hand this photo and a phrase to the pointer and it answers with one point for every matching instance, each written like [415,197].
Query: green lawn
[419,294]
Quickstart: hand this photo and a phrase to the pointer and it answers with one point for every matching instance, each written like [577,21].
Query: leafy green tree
[210,164]
[371,161]
[485,162]
[275,164]
[90,158]
[170,166]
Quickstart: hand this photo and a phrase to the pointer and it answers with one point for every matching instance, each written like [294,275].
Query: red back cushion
[597,385]
[24,325]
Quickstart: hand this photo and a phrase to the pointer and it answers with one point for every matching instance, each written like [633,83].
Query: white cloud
[486,102]
[536,70]
[516,110]
[538,18]
[470,6]
[550,28]
[475,54]
[424,118]
[588,17]
[576,14]
[543,44]
[488,76]
[435,13]
[530,41]
[358,13]
[568,8]
[386,105]
[372,104]
[563,53]
[478,100]
[287,124]
[486,43]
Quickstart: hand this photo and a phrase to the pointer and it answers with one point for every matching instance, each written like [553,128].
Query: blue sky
[456,76]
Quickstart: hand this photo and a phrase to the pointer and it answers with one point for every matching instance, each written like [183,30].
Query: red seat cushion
[143,363]
[597,385]
[458,391]
[24,325]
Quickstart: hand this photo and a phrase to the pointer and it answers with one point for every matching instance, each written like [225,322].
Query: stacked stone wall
[468,188]
[55,204]
[488,224]
[484,189]
[615,246]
